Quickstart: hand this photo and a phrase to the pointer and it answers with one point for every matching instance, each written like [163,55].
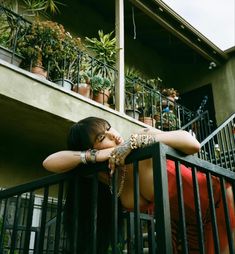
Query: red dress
[189,206]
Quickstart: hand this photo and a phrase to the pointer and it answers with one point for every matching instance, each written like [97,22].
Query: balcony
[142,97]
[36,114]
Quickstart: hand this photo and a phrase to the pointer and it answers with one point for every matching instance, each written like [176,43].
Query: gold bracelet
[141,140]
[133,141]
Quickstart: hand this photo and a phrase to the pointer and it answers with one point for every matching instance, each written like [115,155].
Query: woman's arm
[179,139]
[64,161]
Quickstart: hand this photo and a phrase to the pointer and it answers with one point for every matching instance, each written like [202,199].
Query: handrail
[206,140]
[219,146]
[36,184]
[51,179]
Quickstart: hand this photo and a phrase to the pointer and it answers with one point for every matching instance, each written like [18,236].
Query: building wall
[222,79]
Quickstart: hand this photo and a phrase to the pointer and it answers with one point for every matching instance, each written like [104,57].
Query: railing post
[114,213]
[94,213]
[161,200]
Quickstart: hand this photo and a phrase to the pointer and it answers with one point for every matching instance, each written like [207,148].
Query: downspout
[119,33]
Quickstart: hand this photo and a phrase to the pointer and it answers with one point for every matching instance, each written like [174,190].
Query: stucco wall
[222,79]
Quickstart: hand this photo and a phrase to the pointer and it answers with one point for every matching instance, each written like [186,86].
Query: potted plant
[41,44]
[101,87]
[13,23]
[10,30]
[167,115]
[104,51]
[65,64]
[148,107]
[133,91]
[84,85]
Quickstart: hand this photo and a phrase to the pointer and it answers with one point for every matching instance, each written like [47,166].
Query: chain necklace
[123,178]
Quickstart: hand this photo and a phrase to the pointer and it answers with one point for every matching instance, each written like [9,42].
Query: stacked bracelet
[88,156]
[133,141]
[142,140]
[83,157]
[93,156]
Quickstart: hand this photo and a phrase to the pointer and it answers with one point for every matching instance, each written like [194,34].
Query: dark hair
[81,137]
[82,134]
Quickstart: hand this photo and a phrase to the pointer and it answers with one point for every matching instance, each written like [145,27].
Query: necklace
[123,178]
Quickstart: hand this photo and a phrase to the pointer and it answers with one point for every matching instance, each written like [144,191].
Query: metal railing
[12,26]
[219,146]
[144,101]
[156,232]
[79,70]
[199,127]
[27,212]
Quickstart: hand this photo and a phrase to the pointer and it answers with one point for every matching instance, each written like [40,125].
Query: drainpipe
[119,32]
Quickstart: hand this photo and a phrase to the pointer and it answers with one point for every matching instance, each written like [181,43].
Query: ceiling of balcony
[157,27]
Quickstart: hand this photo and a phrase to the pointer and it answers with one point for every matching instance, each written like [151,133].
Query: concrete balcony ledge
[25,87]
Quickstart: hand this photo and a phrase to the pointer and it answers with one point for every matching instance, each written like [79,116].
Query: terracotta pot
[148,120]
[83,89]
[40,71]
[102,97]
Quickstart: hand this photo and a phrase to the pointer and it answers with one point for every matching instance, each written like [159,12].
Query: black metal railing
[219,146]
[160,231]
[145,102]
[199,127]
[31,216]
[12,27]
[79,70]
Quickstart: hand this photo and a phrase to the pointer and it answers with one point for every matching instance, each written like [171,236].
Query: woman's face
[107,139]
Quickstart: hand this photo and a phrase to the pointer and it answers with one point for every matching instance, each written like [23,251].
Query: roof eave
[179,27]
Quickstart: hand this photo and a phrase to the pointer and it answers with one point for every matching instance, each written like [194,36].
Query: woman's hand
[118,156]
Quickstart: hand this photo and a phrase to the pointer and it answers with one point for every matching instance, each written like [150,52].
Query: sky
[215,19]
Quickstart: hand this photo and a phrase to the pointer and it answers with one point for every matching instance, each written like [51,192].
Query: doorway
[196,98]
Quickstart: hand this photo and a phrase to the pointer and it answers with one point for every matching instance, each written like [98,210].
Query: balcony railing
[141,97]
[219,146]
[142,231]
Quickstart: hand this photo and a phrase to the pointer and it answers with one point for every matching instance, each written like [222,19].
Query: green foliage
[42,42]
[104,49]
[132,80]
[28,8]
[99,83]
[65,62]
[133,88]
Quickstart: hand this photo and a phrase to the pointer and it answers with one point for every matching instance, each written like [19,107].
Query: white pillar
[119,32]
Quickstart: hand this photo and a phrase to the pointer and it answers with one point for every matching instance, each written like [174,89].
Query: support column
[119,32]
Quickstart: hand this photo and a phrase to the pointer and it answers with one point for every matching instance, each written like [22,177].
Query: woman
[94,140]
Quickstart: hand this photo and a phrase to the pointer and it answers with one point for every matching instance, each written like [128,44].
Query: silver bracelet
[93,156]
[83,157]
